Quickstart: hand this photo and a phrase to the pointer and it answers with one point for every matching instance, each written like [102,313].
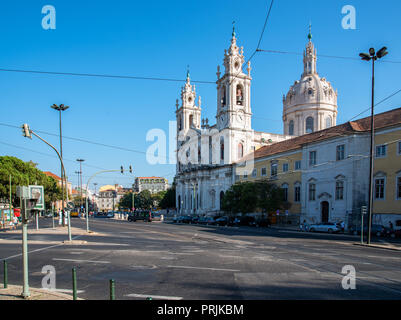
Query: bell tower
[189,114]
[233,90]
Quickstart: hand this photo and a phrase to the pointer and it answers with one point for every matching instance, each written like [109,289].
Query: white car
[324,227]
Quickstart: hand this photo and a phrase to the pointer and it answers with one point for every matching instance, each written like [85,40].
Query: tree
[249,197]
[168,200]
[143,200]
[22,174]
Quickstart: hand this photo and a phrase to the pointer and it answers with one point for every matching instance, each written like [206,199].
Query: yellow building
[387,176]
[280,164]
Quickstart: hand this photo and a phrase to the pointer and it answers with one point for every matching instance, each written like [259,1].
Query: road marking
[145,267]
[135,295]
[76,252]
[62,290]
[83,261]
[37,250]
[202,268]
[182,253]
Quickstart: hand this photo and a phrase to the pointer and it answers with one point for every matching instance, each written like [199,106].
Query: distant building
[153,184]
[109,196]
[58,204]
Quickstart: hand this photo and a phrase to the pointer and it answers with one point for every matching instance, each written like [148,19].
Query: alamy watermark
[349,20]
[49,20]
[349,280]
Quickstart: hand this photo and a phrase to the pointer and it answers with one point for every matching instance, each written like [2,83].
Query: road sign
[37,192]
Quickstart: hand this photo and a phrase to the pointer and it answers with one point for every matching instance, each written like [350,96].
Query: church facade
[207,154]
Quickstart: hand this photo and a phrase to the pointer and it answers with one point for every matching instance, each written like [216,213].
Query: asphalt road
[168,261]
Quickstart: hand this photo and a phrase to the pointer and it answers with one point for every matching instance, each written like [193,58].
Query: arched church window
[222,149]
[221,199]
[180,123]
[328,122]
[291,128]
[310,92]
[240,150]
[240,95]
[191,120]
[309,125]
[223,96]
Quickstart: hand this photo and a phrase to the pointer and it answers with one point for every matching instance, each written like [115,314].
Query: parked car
[103,215]
[186,219]
[222,221]
[247,221]
[195,219]
[377,230]
[140,215]
[328,227]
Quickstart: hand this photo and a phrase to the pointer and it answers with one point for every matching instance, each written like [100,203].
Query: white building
[206,152]
[311,103]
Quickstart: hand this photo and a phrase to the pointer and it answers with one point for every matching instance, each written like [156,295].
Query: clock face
[222,120]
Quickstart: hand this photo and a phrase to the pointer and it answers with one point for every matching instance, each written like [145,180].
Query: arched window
[240,150]
[291,128]
[180,123]
[328,122]
[309,125]
[179,203]
[221,198]
[240,95]
[223,96]
[191,120]
[222,149]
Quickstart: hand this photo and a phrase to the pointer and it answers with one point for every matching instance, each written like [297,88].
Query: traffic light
[122,169]
[130,169]
[26,132]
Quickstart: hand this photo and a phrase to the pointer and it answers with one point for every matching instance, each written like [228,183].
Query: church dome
[311,102]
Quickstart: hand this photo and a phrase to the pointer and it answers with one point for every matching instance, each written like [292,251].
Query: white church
[206,154]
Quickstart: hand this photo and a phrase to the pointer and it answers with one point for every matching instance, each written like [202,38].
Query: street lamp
[60,108]
[80,171]
[372,56]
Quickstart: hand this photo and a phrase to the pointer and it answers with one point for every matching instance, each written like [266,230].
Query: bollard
[112,290]
[5,274]
[74,284]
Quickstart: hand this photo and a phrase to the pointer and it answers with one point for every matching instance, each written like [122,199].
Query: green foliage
[142,200]
[168,200]
[249,197]
[22,174]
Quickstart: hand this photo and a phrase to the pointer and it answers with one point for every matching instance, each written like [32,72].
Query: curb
[35,294]
[377,246]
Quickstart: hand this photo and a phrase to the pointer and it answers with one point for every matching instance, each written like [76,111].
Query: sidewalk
[14,293]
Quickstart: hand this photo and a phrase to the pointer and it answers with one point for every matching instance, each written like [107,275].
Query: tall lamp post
[372,56]
[80,171]
[60,108]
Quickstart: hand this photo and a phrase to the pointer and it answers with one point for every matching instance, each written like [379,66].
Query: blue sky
[159,39]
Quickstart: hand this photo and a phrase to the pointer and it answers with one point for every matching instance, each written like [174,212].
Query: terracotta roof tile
[382,120]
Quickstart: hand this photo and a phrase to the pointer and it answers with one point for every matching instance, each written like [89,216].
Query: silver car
[328,227]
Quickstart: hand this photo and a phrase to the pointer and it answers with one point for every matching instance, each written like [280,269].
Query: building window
[291,128]
[339,190]
[340,152]
[309,125]
[312,192]
[240,95]
[273,169]
[223,96]
[399,188]
[297,165]
[399,148]
[245,175]
[285,167]
[381,151]
[285,193]
[312,158]
[328,122]
[379,188]
[297,194]
[263,172]
[222,150]
[254,173]
[240,150]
